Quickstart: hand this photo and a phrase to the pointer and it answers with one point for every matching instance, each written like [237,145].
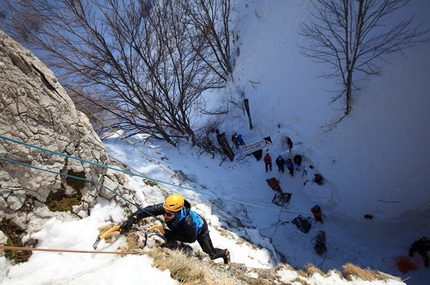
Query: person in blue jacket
[183,224]
[290,166]
[280,162]
[240,140]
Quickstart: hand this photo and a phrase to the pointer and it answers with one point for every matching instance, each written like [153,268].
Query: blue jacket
[239,139]
[188,224]
[289,164]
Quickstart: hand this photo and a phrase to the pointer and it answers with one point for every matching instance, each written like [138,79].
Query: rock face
[36,114]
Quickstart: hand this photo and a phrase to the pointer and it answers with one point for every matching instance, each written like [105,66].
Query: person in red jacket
[268,162]
[316,210]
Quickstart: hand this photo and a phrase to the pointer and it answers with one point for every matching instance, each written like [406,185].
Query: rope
[119,170]
[277,224]
[15,248]
[319,245]
[80,178]
[148,157]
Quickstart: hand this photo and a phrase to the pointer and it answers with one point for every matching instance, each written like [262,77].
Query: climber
[184,224]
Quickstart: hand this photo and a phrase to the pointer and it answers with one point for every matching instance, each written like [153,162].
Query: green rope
[79,178]
[123,171]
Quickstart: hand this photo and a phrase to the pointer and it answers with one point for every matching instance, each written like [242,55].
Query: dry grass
[196,270]
[300,280]
[311,270]
[364,274]
[186,272]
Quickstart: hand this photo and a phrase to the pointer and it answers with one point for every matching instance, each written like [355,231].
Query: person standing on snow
[421,246]
[289,143]
[316,210]
[183,225]
[280,162]
[298,162]
[234,140]
[268,162]
[240,140]
[290,166]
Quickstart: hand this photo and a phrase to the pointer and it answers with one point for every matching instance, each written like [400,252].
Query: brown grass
[311,270]
[364,274]
[181,269]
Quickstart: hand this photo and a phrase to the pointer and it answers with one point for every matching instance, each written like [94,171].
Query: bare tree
[137,54]
[351,35]
[211,20]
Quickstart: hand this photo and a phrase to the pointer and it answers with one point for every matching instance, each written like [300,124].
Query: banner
[252,147]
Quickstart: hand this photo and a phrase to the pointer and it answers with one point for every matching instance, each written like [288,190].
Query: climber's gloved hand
[126,225]
[169,235]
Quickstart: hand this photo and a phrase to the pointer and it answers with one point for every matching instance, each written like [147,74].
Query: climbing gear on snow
[318,179]
[303,224]
[319,243]
[99,238]
[281,198]
[405,263]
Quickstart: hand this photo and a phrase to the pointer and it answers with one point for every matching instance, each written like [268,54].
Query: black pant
[421,252]
[319,219]
[206,243]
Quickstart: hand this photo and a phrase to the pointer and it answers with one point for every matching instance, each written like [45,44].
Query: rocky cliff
[37,114]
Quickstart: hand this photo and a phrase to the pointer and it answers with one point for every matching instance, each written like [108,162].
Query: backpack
[303,224]
[318,179]
[274,184]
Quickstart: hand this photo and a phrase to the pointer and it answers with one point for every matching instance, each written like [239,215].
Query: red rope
[61,250]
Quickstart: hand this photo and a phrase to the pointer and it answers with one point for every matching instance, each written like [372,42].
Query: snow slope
[380,148]
[375,162]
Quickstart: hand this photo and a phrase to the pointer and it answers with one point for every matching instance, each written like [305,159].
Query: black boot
[227,257]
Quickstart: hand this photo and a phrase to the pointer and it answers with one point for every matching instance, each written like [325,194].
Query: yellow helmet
[174,203]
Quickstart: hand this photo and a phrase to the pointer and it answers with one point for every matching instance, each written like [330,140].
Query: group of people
[281,163]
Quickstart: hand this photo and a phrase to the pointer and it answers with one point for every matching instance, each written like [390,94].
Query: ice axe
[157,227]
[99,238]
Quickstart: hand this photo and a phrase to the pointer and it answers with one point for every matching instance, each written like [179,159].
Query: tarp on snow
[281,198]
[302,223]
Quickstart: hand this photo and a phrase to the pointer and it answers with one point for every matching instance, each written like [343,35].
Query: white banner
[250,148]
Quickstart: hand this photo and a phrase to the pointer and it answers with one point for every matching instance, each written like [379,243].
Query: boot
[227,257]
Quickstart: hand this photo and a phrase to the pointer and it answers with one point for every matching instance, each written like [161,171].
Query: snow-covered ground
[375,162]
